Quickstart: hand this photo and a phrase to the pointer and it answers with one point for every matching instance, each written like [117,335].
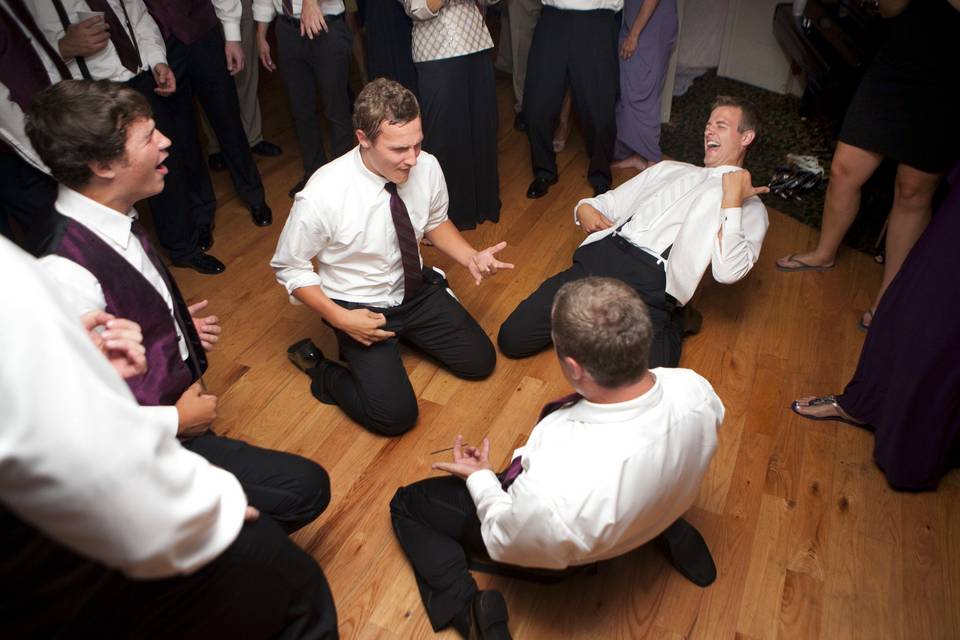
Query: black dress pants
[459,105]
[436,524]
[527,330]
[187,196]
[261,586]
[578,48]
[201,71]
[291,489]
[375,390]
[27,194]
[306,63]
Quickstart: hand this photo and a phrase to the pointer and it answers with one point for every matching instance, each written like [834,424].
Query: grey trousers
[248,81]
[522,16]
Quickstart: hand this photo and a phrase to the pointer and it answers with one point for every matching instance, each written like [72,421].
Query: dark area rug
[784,131]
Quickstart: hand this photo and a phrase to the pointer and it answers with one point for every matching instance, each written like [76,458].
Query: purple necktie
[288,8]
[120,37]
[22,71]
[508,475]
[409,253]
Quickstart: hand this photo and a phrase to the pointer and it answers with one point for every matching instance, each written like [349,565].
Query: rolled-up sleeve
[304,236]
[264,10]
[228,12]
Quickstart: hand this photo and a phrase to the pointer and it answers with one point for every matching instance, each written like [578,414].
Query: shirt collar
[586,411]
[90,213]
[375,181]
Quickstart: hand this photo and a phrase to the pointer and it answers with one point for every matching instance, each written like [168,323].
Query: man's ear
[362,139]
[747,138]
[573,368]
[103,170]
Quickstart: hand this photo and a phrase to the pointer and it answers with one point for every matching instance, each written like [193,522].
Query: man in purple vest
[118,40]
[101,144]
[203,57]
[605,470]
[28,63]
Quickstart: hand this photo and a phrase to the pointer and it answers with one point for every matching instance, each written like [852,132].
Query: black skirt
[907,105]
[458,102]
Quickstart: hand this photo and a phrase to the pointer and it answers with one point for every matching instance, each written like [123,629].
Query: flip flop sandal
[803,266]
[819,402]
[865,326]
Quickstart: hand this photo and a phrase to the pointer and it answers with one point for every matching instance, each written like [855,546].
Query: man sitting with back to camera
[607,469]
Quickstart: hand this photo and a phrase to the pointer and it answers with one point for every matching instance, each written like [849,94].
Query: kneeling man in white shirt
[606,469]
[659,231]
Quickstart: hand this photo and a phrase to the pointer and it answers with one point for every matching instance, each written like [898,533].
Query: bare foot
[866,319]
[822,408]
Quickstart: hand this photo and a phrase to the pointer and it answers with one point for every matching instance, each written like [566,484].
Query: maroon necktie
[409,254]
[288,8]
[508,475]
[119,36]
[22,70]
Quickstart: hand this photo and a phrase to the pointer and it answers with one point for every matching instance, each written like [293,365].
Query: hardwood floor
[808,539]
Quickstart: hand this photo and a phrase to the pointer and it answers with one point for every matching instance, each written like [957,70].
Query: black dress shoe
[215,160]
[304,354]
[519,122]
[490,615]
[603,187]
[205,237]
[688,553]
[299,186]
[262,215]
[201,262]
[266,149]
[539,187]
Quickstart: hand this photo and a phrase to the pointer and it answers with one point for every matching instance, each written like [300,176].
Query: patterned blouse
[457,29]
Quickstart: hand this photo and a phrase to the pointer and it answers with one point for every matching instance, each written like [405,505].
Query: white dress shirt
[11,116]
[265,10]
[600,480]
[584,5]
[456,29]
[228,13]
[80,290]
[105,64]
[85,464]
[342,218]
[678,204]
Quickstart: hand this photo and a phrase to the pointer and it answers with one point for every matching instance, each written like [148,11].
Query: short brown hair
[75,123]
[382,101]
[749,114]
[603,324]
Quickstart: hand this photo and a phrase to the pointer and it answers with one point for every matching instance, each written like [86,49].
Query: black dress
[906,106]
[388,42]
[907,383]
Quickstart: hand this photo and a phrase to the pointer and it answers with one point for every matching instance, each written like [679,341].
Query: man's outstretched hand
[483,265]
[466,459]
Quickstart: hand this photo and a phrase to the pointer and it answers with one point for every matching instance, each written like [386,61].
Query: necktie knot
[391,188]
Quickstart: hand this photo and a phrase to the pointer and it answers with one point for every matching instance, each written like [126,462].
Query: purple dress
[641,80]
[907,384]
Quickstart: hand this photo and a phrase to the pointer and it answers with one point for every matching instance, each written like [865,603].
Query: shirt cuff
[231,31]
[480,482]
[732,220]
[576,207]
[263,14]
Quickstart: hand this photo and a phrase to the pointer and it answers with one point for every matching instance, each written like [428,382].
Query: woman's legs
[850,169]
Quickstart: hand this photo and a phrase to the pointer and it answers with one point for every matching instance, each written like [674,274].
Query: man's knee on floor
[482,362]
[316,489]
[513,341]
[394,418]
